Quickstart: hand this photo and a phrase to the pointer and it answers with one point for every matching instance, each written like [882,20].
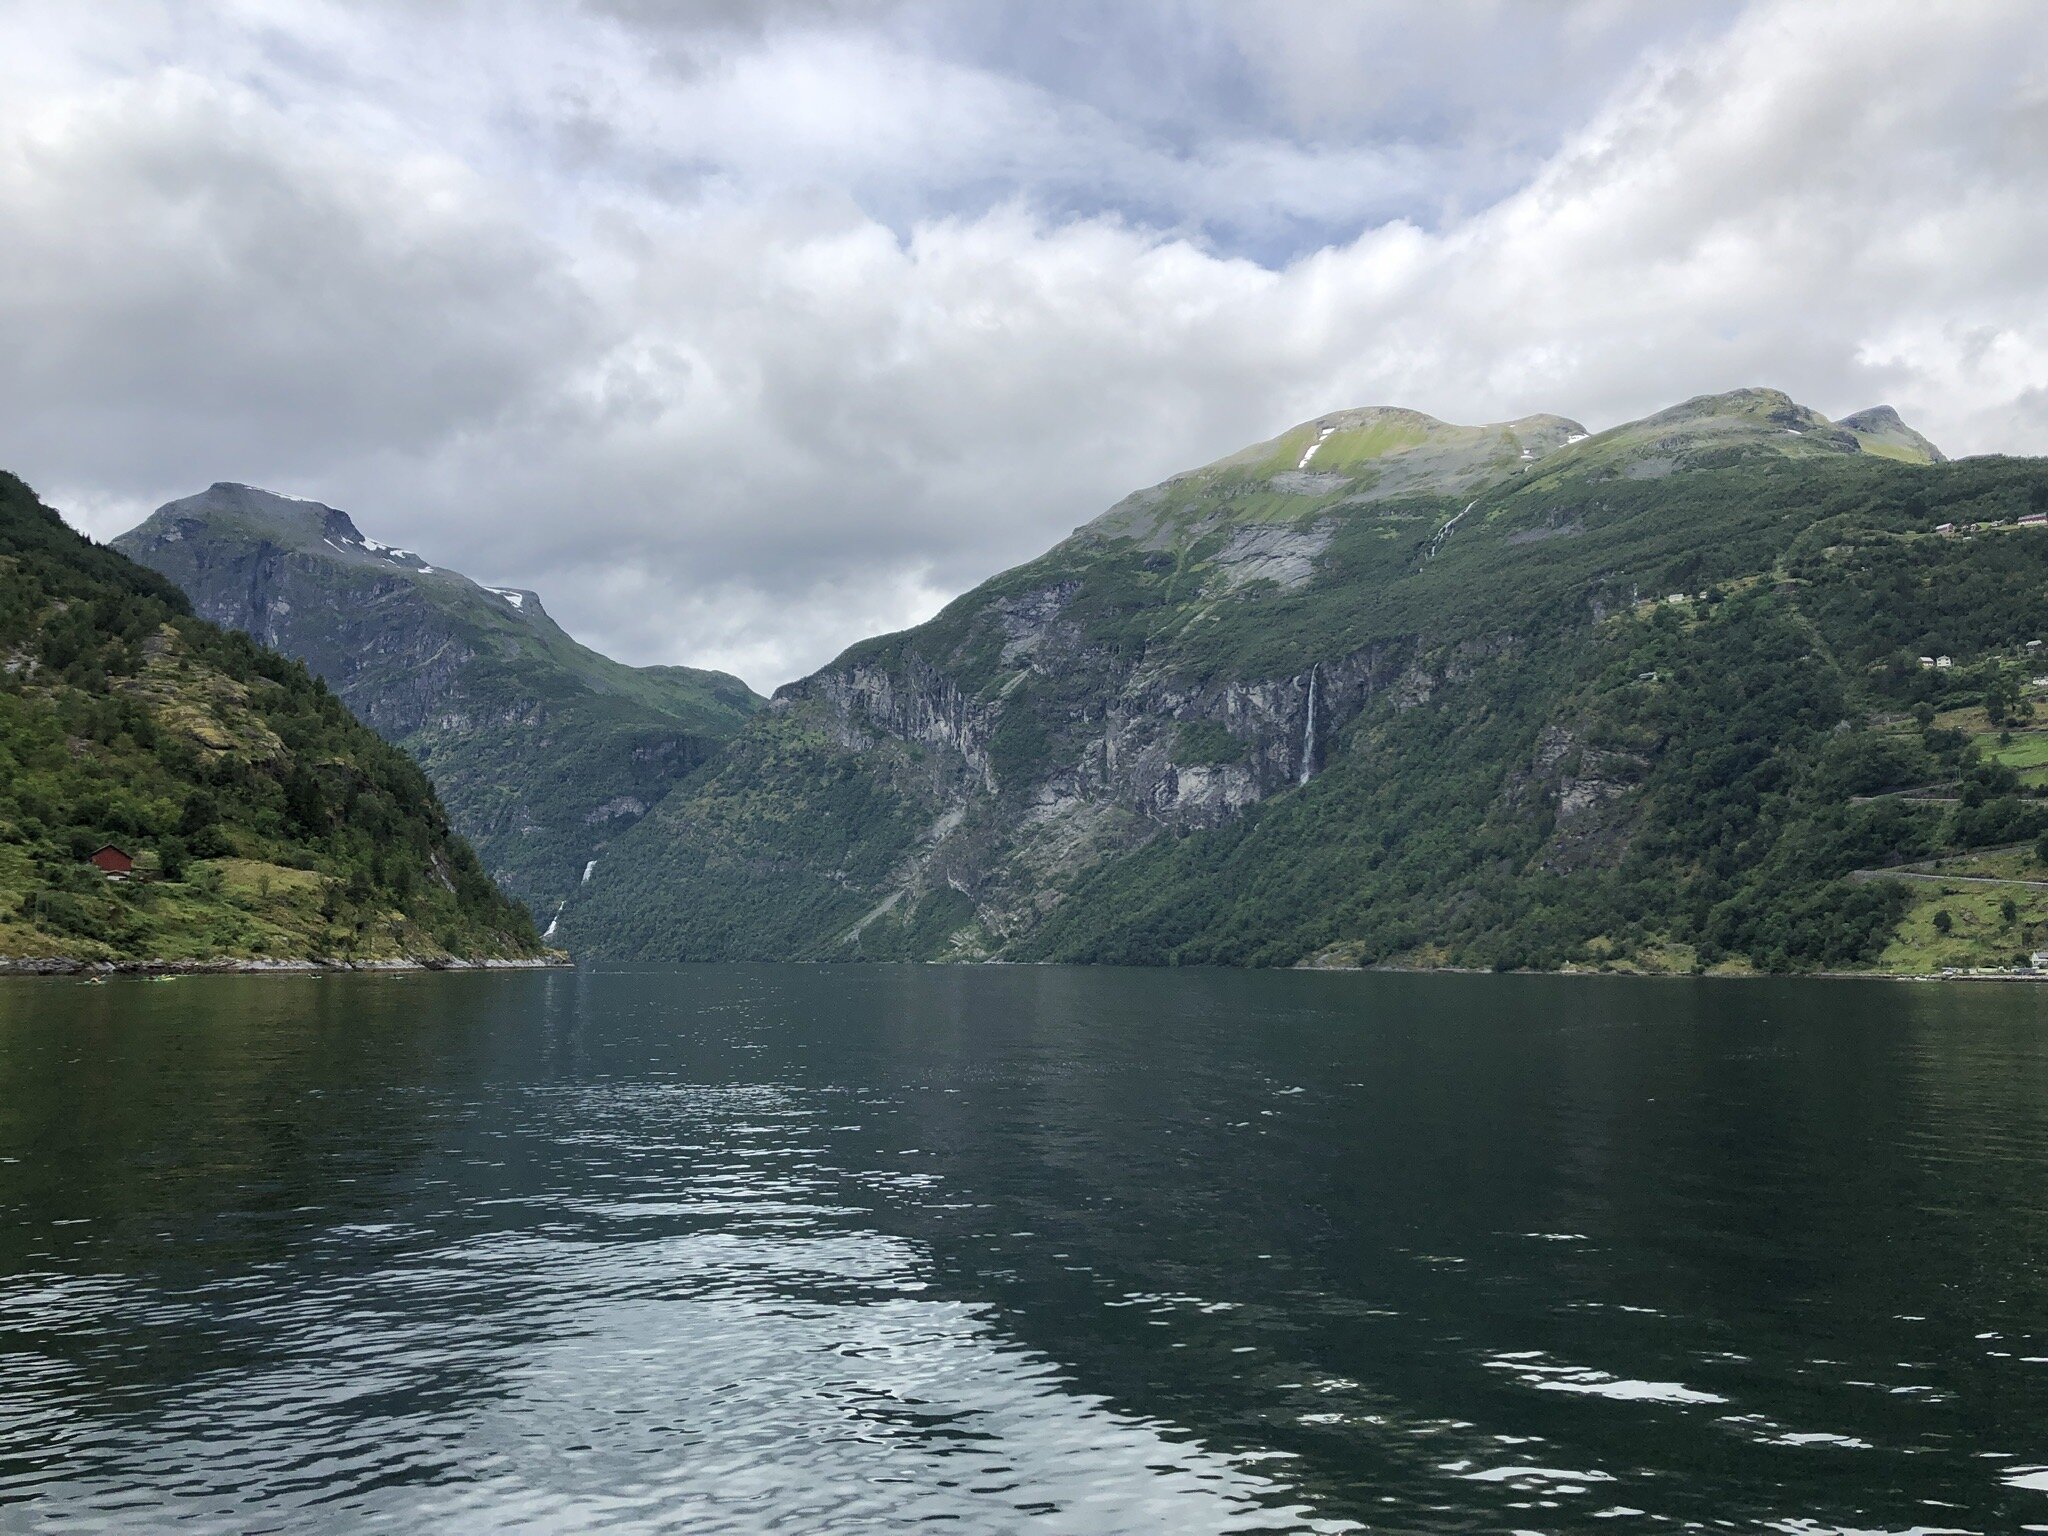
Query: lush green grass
[1352,446]
[2028,749]
[2021,863]
[1978,938]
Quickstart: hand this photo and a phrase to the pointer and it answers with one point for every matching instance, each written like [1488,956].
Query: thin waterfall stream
[1308,729]
[1436,544]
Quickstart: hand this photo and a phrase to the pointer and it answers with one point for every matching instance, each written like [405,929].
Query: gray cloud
[740,335]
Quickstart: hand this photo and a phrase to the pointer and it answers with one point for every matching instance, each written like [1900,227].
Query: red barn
[113,862]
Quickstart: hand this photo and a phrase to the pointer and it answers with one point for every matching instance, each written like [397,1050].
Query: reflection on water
[785,1248]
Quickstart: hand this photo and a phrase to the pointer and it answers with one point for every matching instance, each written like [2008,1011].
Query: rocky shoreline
[60,965]
[57,965]
[1954,974]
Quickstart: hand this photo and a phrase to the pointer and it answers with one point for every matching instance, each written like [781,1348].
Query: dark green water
[853,1249]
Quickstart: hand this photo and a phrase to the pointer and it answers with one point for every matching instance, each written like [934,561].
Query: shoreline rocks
[64,965]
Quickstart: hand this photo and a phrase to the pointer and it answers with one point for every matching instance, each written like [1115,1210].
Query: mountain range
[1388,690]
[541,748]
[1715,689]
[172,793]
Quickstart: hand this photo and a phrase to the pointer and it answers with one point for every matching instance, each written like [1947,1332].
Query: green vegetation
[2019,753]
[265,821]
[540,747]
[1653,700]
[1201,743]
[1731,805]
[1964,928]
[746,846]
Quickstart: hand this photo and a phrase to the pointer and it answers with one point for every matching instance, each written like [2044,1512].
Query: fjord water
[858,1248]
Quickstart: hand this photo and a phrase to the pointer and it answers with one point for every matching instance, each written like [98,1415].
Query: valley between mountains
[1382,690]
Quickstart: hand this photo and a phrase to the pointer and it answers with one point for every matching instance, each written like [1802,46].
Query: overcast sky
[741,331]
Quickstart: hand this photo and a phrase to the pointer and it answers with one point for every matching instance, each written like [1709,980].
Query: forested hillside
[264,821]
[542,749]
[1389,691]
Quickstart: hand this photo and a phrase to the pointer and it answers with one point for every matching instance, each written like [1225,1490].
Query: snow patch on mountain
[1312,447]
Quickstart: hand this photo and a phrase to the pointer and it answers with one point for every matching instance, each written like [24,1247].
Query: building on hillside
[112,862]
[1926,661]
[1944,662]
[2040,959]
[2034,519]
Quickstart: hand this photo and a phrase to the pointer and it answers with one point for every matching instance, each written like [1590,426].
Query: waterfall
[1308,729]
[1437,543]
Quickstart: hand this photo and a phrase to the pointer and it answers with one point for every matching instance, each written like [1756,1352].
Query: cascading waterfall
[1308,729]
[1436,544]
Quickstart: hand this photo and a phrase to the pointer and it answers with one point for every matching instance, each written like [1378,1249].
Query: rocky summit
[542,749]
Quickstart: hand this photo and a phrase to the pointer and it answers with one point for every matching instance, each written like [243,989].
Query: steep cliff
[1384,689]
[542,748]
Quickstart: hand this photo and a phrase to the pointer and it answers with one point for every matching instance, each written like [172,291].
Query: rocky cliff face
[1277,649]
[1134,752]
[539,746]
[396,655]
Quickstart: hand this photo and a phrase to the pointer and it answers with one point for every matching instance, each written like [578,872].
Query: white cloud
[742,338]
[182,281]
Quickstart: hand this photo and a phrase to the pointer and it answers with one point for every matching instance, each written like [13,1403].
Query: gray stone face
[1309,482]
[1277,552]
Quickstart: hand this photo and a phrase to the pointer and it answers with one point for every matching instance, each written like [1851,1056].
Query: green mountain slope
[1512,695]
[266,822]
[541,747]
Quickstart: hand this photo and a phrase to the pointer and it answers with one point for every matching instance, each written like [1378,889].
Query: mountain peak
[1741,413]
[1770,407]
[1340,460]
[542,748]
[291,522]
[1881,431]
[1716,431]
[1354,462]
[234,499]
[526,601]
